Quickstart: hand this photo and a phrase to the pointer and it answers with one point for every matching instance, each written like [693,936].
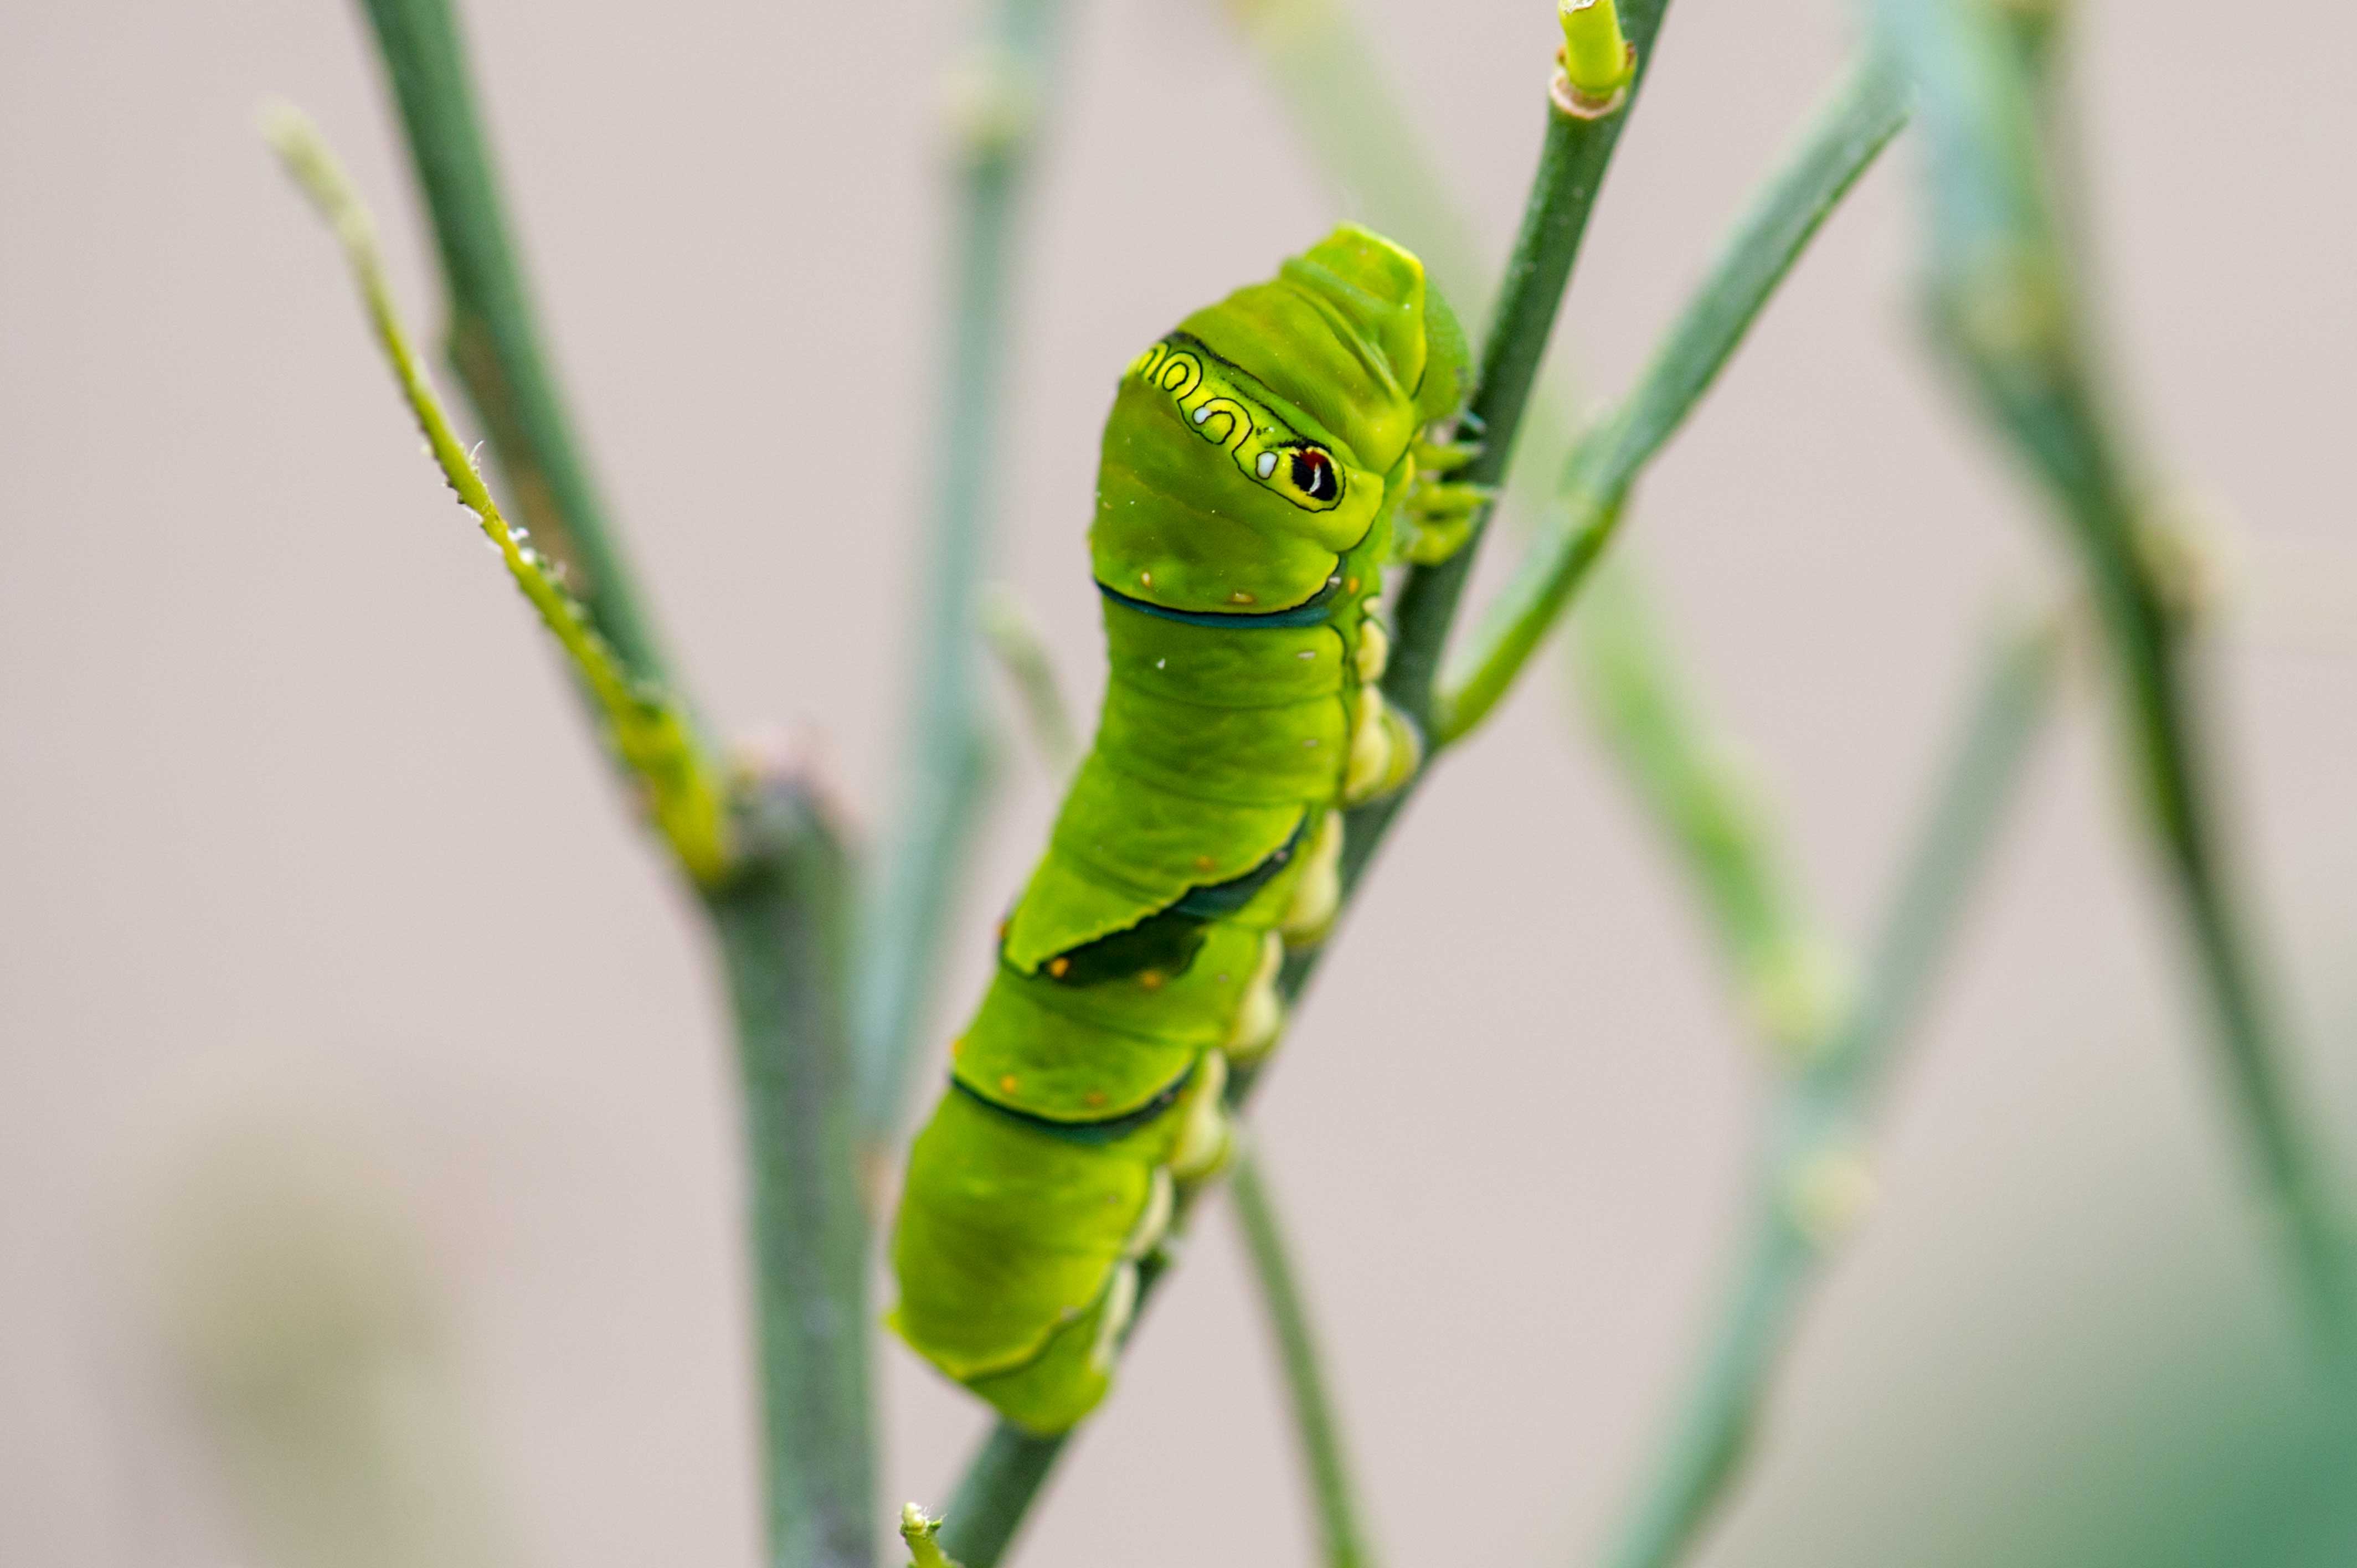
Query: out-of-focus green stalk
[2005,311]
[1015,641]
[1316,1427]
[997,100]
[1812,1181]
[1793,977]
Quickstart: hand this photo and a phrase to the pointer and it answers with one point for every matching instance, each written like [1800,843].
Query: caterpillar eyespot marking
[1243,520]
[1212,396]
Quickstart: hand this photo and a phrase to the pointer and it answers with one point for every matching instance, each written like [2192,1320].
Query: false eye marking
[1212,399]
[1313,475]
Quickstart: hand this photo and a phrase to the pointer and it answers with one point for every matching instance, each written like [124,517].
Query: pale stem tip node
[918,1529]
[1597,61]
[1829,1193]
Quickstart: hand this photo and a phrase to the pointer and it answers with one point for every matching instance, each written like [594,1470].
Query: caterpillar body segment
[1254,467]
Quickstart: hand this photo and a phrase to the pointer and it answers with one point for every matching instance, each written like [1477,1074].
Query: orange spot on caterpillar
[1203,862]
[1240,598]
[1059,967]
[1151,979]
[1006,1084]
[1094,1097]
[1349,584]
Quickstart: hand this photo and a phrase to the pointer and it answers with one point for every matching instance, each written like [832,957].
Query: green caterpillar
[1259,467]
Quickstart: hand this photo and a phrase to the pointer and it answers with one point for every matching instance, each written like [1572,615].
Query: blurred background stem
[1836,1049]
[997,97]
[2007,311]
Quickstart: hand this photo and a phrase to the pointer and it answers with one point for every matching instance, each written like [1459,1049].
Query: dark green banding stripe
[1224,899]
[1088,1135]
[1309,612]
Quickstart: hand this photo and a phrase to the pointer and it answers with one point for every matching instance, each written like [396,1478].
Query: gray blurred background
[328,956]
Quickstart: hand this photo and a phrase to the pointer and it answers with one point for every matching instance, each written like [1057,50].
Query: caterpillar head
[1251,449]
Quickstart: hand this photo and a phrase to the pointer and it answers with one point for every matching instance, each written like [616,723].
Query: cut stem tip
[1597,61]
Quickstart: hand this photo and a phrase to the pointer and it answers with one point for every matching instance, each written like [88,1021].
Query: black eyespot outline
[1314,474]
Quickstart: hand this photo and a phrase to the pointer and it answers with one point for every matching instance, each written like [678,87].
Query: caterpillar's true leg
[1437,514]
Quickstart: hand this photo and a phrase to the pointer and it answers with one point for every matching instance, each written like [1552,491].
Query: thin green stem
[494,340]
[2005,311]
[1573,156]
[1573,161]
[785,930]
[650,733]
[1316,1427]
[945,774]
[1864,113]
[1002,1481]
[1813,1179]
[780,901]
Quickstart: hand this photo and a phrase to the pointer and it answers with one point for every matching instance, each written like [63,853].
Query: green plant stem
[785,930]
[1813,1125]
[1573,159]
[2005,311]
[1316,1425]
[945,774]
[649,735]
[994,1498]
[778,908]
[1005,1475]
[494,340]
[1864,113]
